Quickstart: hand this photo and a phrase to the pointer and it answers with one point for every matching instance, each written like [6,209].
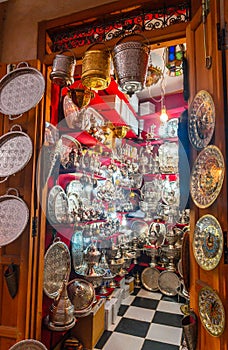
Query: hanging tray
[14,215]
[55,190]
[28,344]
[21,90]
[207,176]
[57,266]
[208,242]
[211,311]
[201,123]
[15,152]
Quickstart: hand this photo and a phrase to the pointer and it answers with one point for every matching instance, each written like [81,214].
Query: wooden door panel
[16,314]
[210,80]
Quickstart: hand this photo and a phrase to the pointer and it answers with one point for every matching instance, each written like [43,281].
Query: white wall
[20,24]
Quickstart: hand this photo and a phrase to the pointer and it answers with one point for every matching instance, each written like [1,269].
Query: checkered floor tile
[146,320]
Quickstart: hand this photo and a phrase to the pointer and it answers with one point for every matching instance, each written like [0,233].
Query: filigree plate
[208,242]
[201,122]
[211,311]
[57,266]
[207,176]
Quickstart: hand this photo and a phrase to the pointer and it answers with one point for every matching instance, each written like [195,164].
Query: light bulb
[163,117]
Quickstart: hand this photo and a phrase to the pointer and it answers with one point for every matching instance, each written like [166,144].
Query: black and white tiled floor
[146,321]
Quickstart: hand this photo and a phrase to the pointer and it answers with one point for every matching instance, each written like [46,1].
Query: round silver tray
[28,344]
[14,215]
[149,278]
[208,242]
[21,90]
[82,295]
[57,266]
[168,283]
[15,152]
[54,191]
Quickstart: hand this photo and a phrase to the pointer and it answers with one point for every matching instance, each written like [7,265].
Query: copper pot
[81,96]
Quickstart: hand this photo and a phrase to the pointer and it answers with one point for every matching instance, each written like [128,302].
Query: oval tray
[54,191]
[149,278]
[21,90]
[168,283]
[28,344]
[15,152]
[14,215]
[57,266]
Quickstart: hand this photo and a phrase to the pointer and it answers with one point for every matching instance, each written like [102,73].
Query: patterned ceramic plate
[207,176]
[28,344]
[211,311]
[208,242]
[149,278]
[201,123]
[57,265]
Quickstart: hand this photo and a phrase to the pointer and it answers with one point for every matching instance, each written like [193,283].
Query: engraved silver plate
[54,191]
[57,266]
[168,283]
[14,215]
[149,278]
[15,152]
[208,242]
[28,344]
[201,122]
[207,176]
[21,90]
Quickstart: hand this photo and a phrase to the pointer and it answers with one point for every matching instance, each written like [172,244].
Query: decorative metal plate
[28,344]
[207,176]
[149,278]
[15,152]
[54,191]
[57,266]
[14,215]
[61,207]
[21,90]
[168,283]
[211,311]
[208,242]
[201,122]
[81,294]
